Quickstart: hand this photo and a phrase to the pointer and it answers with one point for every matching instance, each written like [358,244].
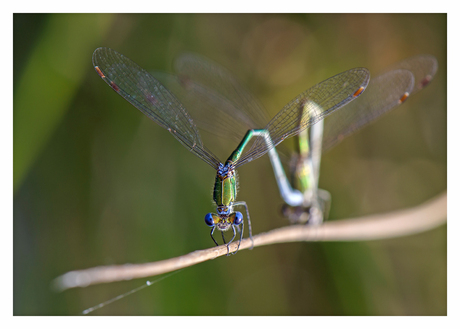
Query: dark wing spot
[114,86]
[184,81]
[425,81]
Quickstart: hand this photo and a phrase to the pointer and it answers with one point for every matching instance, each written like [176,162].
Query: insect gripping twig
[426,216]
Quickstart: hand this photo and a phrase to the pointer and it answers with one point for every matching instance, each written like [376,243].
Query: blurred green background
[97,183]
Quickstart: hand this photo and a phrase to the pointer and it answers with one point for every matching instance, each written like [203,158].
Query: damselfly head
[223,222]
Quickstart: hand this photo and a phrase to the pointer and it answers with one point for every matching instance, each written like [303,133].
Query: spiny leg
[243,203]
[223,237]
[212,231]
[240,231]
[227,244]
[231,240]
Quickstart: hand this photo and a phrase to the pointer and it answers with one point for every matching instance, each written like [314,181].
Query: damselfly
[158,103]
[223,106]
[383,93]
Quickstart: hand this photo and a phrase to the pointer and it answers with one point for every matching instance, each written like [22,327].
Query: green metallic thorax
[225,189]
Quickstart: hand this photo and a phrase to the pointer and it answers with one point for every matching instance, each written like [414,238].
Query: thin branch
[421,218]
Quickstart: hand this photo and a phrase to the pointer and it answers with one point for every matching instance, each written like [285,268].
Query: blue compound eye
[209,220]
[238,218]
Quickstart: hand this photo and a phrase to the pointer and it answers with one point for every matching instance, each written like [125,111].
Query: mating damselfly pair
[221,106]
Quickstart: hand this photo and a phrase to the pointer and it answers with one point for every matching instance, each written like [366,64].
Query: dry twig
[404,222]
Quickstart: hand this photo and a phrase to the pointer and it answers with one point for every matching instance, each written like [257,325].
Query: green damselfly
[158,103]
[384,92]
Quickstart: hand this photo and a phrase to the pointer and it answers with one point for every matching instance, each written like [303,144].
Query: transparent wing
[423,67]
[148,95]
[211,111]
[384,92]
[249,112]
[308,108]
